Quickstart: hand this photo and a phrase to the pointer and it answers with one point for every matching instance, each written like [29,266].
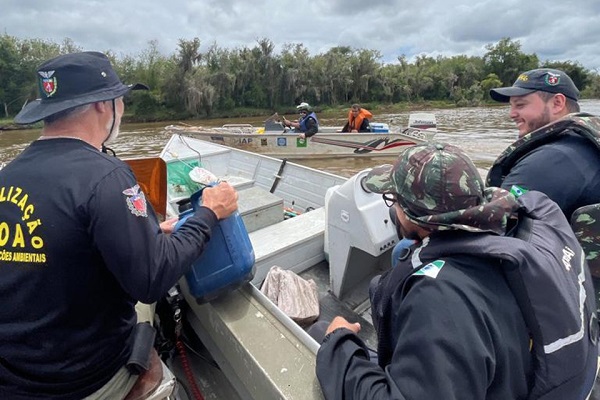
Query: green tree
[507,61]
[491,81]
[14,85]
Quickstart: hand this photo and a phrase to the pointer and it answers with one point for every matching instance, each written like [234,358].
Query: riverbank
[341,111]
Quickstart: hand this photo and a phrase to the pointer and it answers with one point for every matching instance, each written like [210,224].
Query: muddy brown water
[483,132]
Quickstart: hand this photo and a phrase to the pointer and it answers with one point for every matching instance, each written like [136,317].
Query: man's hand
[302,135]
[340,322]
[168,225]
[221,199]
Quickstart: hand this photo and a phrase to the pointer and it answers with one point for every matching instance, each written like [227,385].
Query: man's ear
[102,106]
[559,103]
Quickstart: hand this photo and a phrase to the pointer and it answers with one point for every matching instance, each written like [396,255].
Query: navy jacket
[454,332]
[567,170]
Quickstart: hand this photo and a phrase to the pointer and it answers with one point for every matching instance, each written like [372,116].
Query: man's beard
[406,233]
[543,119]
[401,231]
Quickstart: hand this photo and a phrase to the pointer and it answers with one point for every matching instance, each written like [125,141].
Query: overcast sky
[565,30]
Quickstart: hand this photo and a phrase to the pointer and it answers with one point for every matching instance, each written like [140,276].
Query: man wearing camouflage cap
[442,322]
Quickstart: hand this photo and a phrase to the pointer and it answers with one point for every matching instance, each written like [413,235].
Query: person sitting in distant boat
[307,125]
[358,120]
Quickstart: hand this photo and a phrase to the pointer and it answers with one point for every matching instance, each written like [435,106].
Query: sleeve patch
[432,269]
[136,201]
[517,191]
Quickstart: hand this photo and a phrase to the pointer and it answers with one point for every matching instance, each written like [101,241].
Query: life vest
[302,121]
[585,221]
[356,123]
[545,268]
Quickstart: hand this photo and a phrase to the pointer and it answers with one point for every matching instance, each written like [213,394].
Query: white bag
[295,296]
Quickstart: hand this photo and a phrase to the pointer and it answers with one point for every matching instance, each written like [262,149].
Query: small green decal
[432,269]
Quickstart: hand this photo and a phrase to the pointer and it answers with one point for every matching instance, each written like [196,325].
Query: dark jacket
[556,161]
[567,170]
[84,245]
[309,124]
[452,331]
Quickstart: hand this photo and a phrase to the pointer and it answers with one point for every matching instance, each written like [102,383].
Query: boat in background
[241,345]
[276,141]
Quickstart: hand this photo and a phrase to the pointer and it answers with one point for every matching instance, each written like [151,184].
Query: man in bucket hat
[449,329]
[79,243]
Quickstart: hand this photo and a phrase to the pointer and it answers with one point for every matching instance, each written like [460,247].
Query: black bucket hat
[542,79]
[73,80]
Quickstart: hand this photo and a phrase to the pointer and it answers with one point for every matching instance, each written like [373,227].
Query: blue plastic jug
[227,261]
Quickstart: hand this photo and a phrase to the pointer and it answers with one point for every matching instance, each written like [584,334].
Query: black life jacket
[585,221]
[546,270]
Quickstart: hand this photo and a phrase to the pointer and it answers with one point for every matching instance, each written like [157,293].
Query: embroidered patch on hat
[552,79]
[136,201]
[432,269]
[48,82]
[523,77]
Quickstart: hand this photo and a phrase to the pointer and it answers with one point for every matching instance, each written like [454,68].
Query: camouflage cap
[438,187]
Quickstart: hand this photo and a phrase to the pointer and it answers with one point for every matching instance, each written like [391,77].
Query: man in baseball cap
[437,187]
[551,155]
[542,79]
[429,313]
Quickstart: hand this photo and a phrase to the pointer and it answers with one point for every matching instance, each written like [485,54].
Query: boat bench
[259,208]
[296,244]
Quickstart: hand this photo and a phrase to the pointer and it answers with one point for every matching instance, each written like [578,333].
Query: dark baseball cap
[73,80]
[542,79]
[438,187]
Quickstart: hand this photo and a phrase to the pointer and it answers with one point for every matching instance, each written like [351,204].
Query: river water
[483,132]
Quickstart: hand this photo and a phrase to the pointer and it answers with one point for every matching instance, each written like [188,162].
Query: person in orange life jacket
[358,120]
[85,246]
[307,125]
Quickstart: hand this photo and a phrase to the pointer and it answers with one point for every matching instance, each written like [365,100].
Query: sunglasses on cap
[389,199]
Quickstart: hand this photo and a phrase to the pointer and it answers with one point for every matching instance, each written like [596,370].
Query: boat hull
[322,145]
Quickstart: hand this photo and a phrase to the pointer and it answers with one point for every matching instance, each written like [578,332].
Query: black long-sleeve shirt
[79,245]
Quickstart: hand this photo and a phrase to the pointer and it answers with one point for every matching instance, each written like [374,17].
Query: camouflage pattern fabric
[585,221]
[439,188]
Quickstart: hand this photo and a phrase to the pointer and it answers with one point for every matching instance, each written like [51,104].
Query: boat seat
[158,382]
[238,182]
[295,243]
[259,208]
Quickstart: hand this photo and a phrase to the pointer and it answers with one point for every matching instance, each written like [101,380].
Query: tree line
[192,84]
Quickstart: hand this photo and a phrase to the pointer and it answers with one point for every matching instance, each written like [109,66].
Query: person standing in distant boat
[358,120]
[80,245]
[307,125]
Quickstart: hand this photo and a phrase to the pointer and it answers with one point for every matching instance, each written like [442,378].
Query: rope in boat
[187,369]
